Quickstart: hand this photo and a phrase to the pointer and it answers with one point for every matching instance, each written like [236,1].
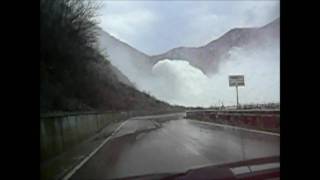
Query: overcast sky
[154,27]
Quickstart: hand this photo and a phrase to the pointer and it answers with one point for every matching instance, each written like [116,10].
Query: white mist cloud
[157,26]
[261,70]
[178,82]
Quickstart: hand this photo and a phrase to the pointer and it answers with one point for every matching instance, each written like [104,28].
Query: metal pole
[237,97]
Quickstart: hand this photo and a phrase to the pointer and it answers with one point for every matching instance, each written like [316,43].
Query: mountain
[130,61]
[207,57]
[95,86]
[134,63]
[121,77]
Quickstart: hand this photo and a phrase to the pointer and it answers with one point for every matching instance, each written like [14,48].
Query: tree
[67,35]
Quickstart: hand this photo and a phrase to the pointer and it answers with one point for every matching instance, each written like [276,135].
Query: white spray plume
[178,82]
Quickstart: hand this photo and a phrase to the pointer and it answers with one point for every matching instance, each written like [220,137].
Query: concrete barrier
[268,120]
[60,132]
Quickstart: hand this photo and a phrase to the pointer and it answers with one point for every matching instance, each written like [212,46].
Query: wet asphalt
[169,143]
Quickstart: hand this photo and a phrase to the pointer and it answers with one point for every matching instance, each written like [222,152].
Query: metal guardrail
[131,113]
[237,111]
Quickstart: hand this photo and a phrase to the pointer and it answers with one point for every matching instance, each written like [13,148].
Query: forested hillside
[74,76]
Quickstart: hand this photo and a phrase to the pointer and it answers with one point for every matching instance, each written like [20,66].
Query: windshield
[158,89]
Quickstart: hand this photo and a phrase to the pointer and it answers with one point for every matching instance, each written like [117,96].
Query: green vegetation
[74,76]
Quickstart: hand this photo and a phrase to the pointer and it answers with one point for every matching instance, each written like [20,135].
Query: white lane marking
[241,128]
[74,170]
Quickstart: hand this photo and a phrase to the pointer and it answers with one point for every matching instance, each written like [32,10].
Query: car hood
[260,168]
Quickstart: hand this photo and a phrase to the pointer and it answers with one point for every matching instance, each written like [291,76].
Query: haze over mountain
[207,57]
[197,76]
[127,59]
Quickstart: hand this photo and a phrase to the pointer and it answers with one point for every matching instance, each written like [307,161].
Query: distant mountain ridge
[208,56]
[131,61]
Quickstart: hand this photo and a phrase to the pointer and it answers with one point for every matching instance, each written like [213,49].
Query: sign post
[236,80]
[237,96]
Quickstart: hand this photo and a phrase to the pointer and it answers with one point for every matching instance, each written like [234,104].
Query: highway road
[165,144]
